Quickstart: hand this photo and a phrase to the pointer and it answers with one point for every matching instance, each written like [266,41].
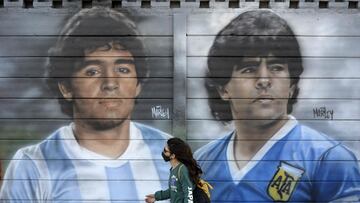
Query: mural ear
[64,89]
[292,90]
[138,89]
[223,93]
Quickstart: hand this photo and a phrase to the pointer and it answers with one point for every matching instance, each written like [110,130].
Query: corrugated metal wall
[178,39]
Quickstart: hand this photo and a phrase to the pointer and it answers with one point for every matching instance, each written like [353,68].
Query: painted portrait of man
[102,155]
[254,67]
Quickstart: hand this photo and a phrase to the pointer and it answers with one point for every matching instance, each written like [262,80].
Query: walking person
[184,173]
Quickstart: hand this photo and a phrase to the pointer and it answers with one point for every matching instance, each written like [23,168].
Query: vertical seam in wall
[179,77]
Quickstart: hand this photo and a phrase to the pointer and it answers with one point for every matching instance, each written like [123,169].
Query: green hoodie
[180,186]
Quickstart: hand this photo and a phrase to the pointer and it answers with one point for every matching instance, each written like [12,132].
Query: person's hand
[150,198]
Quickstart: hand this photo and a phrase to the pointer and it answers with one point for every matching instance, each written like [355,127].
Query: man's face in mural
[259,89]
[104,88]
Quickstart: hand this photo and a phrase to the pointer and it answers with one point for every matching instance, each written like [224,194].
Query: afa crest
[283,183]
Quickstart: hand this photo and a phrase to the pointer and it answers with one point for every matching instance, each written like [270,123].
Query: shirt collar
[74,150]
[237,174]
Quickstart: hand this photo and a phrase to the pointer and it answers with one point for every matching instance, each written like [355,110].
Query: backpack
[201,193]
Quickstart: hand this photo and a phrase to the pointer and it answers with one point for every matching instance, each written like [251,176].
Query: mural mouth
[263,99]
[110,103]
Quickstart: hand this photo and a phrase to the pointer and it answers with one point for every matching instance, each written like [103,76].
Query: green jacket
[180,186]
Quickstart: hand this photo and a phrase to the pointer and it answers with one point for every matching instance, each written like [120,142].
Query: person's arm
[21,181]
[187,185]
[162,194]
[337,177]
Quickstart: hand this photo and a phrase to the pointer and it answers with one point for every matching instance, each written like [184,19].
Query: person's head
[176,148]
[97,67]
[254,66]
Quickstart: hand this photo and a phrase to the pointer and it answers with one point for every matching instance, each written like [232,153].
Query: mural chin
[259,112]
[267,110]
[105,117]
[104,124]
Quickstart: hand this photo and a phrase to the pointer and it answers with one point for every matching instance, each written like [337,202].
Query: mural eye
[122,70]
[277,67]
[92,71]
[248,69]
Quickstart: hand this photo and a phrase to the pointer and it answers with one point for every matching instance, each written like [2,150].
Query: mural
[267,99]
[254,67]
[96,71]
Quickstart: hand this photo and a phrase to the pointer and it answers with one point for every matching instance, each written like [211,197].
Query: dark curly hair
[84,32]
[251,34]
[184,154]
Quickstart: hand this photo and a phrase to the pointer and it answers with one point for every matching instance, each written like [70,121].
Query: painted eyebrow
[243,64]
[91,62]
[125,61]
[100,62]
[277,60]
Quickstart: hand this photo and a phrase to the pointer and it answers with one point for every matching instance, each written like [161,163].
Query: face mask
[166,158]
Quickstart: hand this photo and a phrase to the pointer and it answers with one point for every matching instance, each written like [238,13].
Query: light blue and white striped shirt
[60,170]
